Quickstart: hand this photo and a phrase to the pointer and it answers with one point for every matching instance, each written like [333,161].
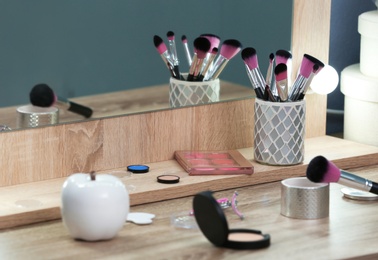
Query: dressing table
[38,161]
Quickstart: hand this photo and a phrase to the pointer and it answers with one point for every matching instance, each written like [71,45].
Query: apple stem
[93,175]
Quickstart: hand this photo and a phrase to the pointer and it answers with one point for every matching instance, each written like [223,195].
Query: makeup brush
[249,57]
[284,56]
[209,61]
[186,49]
[163,51]
[321,170]
[228,50]
[42,95]
[173,51]
[305,70]
[201,48]
[269,74]
[214,41]
[280,71]
[270,88]
[302,92]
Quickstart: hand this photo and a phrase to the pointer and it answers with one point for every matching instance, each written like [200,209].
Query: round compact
[138,168]
[213,224]
[168,179]
[358,194]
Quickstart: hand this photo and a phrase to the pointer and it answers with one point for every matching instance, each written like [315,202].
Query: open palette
[214,162]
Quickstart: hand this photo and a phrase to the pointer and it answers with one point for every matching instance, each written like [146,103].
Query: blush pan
[213,224]
[214,162]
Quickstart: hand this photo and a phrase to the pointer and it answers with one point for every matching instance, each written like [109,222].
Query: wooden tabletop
[350,231]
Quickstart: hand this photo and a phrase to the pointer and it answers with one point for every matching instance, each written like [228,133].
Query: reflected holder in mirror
[187,93]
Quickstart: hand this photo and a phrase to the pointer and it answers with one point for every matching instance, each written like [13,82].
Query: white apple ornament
[94,207]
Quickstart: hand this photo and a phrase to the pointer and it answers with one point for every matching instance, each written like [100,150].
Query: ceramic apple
[94,207]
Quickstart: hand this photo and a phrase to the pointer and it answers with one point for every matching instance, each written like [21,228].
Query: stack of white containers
[359,84]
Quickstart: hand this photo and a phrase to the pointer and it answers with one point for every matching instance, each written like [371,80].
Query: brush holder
[303,199]
[279,132]
[187,93]
[32,116]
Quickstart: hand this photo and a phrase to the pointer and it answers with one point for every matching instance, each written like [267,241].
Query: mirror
[85,48]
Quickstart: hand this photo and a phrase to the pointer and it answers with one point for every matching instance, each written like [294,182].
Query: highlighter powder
[168,179]
[244,237]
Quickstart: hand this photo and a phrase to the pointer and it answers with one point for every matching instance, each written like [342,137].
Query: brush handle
[374,188]
[357,182]
[80,109]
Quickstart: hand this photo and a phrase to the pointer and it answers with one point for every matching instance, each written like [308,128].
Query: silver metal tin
[303,199]
[33,116]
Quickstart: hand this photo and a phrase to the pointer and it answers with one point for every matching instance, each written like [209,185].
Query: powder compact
[214,162]
[213,224]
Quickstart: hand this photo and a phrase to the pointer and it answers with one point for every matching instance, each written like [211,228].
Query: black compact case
[213,224]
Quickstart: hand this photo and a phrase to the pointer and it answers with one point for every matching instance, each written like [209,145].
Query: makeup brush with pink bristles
[201,48]
[173,51]
[305,71]
[228,50]
[186,49]
[302,92]
[163,51]
[280,71]
[209,62]
[320,169]
[249,57]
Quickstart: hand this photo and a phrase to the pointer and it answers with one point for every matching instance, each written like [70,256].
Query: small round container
[33,116]
[138,168]
[213,224]
[303,199]
[168,179]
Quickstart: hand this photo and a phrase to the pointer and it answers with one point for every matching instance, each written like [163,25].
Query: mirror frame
[31,155]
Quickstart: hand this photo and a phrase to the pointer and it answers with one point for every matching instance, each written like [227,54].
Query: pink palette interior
[214,162]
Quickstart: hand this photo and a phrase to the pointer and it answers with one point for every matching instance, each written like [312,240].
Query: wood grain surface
[40,201]
[350,231]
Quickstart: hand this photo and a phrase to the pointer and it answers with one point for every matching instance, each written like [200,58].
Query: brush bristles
[249,57]
[184,39]
[42,95]
[280,71]
[307,64]
[214,39]
[171,35]
[321,170]
[159,44]
[282,56]
[202,46]
[271,57]
[230,48]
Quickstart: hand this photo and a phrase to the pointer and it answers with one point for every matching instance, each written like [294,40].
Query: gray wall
[83,47]
[344,50]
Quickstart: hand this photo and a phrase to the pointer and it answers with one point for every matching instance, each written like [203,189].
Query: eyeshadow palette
[214,162]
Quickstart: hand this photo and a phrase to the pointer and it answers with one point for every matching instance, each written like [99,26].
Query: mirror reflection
[101,53]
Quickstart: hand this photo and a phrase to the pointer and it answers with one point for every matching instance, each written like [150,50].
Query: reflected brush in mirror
[42,95]
[164,54]
[228,50]
[249,57]
[186,48]
[173,52]
[201,48]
